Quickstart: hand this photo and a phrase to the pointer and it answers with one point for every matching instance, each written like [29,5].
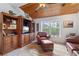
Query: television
[26,26]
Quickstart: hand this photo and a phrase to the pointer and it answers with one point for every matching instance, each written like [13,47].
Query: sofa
[72,44]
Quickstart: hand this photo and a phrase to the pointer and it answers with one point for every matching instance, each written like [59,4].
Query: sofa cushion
[73,46]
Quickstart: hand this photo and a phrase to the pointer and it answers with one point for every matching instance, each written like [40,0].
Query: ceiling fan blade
[37,8]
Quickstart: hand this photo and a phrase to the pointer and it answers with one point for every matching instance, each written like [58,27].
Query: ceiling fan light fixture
[42,5]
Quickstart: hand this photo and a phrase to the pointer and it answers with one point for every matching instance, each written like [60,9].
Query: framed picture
[68,24]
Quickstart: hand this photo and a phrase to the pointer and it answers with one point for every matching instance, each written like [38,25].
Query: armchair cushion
[42,34]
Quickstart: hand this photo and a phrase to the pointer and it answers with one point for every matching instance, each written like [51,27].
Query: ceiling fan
[41,6]
[44,6]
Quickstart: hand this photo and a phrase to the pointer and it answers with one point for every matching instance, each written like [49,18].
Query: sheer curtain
[51,27]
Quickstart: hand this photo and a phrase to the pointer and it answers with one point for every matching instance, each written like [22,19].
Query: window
[46,26]
[51,27]
[54,29]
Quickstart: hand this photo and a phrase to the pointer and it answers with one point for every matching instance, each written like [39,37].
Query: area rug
[36,49]
[59,50]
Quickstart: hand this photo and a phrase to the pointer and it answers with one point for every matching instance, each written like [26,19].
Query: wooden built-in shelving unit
[11,32]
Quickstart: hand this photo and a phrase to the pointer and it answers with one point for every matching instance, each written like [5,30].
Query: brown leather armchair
[42,36]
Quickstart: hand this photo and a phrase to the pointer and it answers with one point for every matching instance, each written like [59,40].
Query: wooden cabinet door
[7,43]
[14,41]
[10,43]
[26,39]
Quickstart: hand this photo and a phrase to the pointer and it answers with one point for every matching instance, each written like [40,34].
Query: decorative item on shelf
[12,25]
[13,22]
[11,12]
[8,22]
[4,26]
[3,32]
[68,24]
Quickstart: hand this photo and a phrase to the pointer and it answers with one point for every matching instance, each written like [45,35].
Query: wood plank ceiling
[51,10]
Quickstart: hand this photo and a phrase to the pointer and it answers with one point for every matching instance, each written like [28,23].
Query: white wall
[5,7]
[66,31]
[63,31]
[72,17]
[18,11]
[78,23]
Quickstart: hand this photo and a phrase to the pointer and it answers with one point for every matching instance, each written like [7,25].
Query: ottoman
[47,45]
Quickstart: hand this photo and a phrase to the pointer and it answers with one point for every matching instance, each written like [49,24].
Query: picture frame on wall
[68,24]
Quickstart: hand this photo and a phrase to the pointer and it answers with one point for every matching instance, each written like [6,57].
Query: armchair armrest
[37,36]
